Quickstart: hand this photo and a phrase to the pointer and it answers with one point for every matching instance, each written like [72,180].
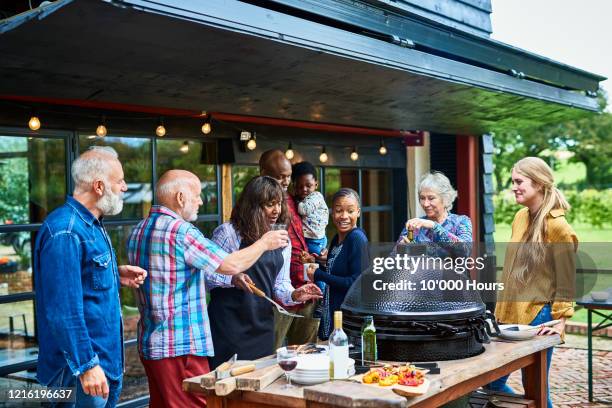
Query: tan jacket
[552,283]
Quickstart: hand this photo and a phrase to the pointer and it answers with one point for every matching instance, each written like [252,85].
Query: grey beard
[110,203]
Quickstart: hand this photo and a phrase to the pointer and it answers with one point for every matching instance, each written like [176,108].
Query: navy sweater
[350,262]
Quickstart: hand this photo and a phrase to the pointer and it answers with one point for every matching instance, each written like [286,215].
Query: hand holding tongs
[280,309]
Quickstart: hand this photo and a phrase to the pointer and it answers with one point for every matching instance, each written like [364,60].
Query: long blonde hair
[541,176]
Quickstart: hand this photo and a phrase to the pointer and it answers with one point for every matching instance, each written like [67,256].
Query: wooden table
[457,378]
[592,307]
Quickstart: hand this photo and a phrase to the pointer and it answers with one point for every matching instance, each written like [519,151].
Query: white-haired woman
[439,225]
[539,266]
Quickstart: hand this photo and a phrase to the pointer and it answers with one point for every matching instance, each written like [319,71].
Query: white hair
[440,184]
[169,188]
[89,167]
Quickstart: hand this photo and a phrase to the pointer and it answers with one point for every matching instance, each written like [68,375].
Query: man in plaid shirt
[174,337]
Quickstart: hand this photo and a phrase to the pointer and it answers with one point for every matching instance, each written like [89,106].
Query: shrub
[592,207]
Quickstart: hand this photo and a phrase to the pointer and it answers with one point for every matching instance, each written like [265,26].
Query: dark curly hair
[303,168]
[248,217]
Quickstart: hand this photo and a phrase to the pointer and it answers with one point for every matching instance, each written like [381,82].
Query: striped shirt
[180,263]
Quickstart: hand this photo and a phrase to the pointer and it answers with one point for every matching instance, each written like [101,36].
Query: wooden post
[226,192]
[535,380]
[417,163]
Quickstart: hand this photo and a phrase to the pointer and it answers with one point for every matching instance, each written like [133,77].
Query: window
[336,178]
[32,184]
[170,156]
[32,178]
[241,175]
[374,187]
[16,262]
[135,156]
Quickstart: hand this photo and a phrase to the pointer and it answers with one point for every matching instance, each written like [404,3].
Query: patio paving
[568,374]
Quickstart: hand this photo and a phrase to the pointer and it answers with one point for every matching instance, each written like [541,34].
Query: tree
[589,138]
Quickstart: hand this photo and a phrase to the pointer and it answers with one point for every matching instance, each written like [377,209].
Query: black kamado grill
[418,325]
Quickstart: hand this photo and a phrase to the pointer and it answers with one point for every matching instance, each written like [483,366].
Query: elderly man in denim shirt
[77,286]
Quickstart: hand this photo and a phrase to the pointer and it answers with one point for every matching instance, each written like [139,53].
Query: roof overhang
[238,58]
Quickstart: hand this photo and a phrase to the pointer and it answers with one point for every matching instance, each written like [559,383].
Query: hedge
[593,207]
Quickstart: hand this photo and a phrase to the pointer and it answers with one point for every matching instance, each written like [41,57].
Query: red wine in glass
[287,365]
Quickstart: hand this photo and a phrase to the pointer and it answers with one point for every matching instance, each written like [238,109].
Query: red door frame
[467,180]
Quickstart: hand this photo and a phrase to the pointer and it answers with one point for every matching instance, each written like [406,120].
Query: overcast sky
[575,32]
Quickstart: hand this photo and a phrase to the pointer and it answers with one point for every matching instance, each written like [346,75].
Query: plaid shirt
[172,301]
[228,238]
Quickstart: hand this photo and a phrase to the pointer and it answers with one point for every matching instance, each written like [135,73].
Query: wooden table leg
[535,380]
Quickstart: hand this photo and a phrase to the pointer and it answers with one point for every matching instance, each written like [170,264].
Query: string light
[184,147]
[323,157]
[289,154]
[160,130]
[206,127]
[101,129]
[354,154]
[252,144]
[34,122]
[383,149]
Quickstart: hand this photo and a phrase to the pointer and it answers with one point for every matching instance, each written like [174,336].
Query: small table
[592,307]
[457,378]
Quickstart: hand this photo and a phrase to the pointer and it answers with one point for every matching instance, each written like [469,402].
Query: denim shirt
[77,295]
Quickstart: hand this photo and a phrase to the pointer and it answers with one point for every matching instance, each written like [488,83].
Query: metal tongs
[280,309]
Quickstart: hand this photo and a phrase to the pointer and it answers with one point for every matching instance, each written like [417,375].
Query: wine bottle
[338,350]
[369,353]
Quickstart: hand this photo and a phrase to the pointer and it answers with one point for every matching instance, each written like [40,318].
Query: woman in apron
[241,322]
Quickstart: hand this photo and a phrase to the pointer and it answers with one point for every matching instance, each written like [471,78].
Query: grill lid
[437,294]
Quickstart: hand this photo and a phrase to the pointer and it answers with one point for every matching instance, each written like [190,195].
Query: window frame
[72,150]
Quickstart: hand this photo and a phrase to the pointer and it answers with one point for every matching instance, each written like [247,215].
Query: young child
[311,206]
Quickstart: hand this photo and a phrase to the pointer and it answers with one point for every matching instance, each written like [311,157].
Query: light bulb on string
[184,147]
[383,149]
[289,153]
[252,144]
[160,130]
[34,122]
[323,156]
[207,127]
[101,129]
[354,154]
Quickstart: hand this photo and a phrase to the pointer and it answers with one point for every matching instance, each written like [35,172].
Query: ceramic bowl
[600,296]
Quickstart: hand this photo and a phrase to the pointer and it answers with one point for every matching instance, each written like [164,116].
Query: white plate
[315,363]
[308,380]
[517,335]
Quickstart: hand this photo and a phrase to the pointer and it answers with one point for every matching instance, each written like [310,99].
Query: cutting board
[253,381]
[208,381]
[403,390]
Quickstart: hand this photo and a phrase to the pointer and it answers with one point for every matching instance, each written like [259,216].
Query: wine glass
[286,357]
[278,227]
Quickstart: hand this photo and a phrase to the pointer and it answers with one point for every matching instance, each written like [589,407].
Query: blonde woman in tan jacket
[539,267]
